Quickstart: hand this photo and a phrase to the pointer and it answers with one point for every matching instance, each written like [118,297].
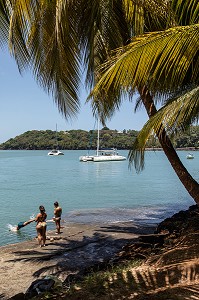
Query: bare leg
[58,226]
[44,236]
[39,237]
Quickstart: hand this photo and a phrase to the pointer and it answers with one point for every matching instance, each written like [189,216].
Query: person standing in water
[41,226]
[57,216]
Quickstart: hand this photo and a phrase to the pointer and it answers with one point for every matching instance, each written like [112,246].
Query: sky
[26,106]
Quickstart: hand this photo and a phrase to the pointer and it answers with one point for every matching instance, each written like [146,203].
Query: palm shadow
[174,272]
[171,275]
[133,229]
[71,255]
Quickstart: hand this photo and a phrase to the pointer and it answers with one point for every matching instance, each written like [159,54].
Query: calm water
[88,192]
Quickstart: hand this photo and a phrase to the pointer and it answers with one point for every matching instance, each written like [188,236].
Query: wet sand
[79,246]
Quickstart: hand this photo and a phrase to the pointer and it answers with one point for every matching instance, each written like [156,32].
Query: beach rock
[180,222]
[40,286]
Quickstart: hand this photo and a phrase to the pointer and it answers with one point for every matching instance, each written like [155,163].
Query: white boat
[190,156]
[55,152]
[108,155]
[103,154]
[86,158]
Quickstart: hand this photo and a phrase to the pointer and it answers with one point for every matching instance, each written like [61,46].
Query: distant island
[81,139]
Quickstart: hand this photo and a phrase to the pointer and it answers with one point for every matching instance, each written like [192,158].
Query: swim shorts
[20,225]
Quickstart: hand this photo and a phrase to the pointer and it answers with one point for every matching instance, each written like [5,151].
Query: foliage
[98,283]
[70,140]
[81,139]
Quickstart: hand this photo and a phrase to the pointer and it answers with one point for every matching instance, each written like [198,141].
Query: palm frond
[4,23]
[21,13]
[102,27]
[54,53]
[186,11]
[160,60]
[176,115]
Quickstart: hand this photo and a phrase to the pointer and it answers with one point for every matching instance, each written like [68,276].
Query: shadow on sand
[75,254]
[171,275]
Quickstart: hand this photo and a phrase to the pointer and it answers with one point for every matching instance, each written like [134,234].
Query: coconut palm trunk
[187,180]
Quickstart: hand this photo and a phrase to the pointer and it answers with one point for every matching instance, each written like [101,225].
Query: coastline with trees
[82,139]
[125,47]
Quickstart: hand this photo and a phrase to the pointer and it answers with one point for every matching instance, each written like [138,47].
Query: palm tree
[55,38]
[150,60]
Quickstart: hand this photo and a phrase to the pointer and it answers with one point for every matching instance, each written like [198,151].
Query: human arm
[28,222]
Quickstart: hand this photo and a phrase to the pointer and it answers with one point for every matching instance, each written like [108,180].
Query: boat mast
[98,123]
[56,138]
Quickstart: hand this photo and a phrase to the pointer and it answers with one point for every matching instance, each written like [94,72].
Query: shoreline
[79,246]
[119,149]
[140,215]
[169,254]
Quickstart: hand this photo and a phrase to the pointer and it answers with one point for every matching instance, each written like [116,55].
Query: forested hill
[81,139]
[70,140]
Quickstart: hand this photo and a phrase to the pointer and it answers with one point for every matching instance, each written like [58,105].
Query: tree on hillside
[54,38]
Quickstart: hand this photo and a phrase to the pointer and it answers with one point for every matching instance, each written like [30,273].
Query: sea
[88,192]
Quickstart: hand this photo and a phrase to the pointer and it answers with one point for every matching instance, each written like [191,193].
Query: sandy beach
[79,246]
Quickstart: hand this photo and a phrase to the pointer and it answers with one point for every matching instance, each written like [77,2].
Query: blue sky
[25,106]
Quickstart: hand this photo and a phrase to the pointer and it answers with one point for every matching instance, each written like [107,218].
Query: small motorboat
[190,156]
[55,153]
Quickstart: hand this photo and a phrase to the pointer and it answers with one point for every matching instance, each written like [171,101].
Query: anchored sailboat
[56,152]
[102,154]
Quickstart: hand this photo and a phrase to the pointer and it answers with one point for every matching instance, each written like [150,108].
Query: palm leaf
[186,11]
[164,61]
[21,12]
[55,56]
[4,23]
[176,115]
[56,36]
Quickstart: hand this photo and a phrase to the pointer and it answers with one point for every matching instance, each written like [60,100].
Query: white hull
[108,158]
[102,155]
[55,153]
[86,158]
[190,156]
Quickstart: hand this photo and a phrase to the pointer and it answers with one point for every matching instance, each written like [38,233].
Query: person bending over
[57,216]
[23,224]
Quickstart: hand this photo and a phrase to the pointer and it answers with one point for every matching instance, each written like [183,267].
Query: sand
[79,246]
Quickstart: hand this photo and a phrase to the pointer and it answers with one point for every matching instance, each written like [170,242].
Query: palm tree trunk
[187,180]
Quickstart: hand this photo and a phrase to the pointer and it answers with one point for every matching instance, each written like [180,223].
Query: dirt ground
[77,247]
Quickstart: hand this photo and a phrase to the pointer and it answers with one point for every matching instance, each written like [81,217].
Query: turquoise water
[88,192]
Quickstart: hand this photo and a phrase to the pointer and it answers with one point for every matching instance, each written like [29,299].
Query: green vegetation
[114,282]
[81,139]
[149,48]
[70,140]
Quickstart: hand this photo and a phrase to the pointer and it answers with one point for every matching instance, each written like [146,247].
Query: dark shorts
[20,225]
